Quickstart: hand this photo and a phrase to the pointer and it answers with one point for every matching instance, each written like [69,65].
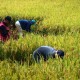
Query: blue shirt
[45,51]
[26,24]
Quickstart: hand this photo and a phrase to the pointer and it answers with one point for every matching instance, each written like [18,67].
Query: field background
[58,26]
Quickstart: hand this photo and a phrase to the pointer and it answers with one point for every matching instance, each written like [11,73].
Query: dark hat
[8,18]
[60,53]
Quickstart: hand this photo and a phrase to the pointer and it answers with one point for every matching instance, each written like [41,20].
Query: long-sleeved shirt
[45,51]
[26,24]
[4,32]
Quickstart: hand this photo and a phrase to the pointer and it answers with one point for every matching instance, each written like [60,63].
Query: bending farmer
[46,52]
[4,29]
[24,25]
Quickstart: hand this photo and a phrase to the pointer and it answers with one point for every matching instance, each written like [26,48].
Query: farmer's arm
[28,28]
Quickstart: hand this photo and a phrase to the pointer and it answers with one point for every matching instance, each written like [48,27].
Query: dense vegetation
[58,26]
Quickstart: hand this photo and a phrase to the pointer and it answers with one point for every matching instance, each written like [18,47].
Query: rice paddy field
[58,25]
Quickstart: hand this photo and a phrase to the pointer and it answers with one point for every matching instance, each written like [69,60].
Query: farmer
[24,25]
[4,29]
[46,52]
